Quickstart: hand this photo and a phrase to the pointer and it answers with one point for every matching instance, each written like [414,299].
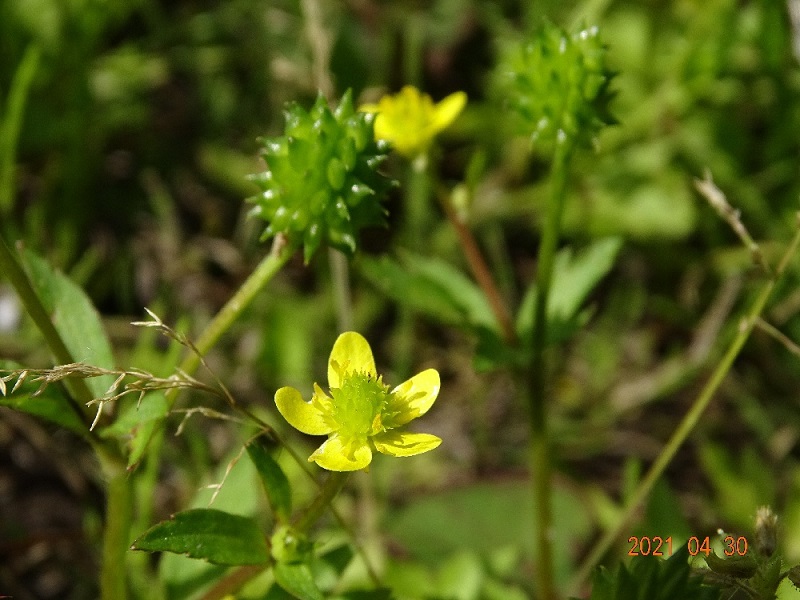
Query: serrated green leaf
[274,480]
[649,578]
[50,404]
[296,578]
[740,567]
[212,535]
[74,317]
[768,577]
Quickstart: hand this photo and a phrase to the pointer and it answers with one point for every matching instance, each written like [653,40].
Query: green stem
[332,486]
[340,270]
[540,443]
[116,536]
[417,197]
[413,36]
[417,204]
[689,421]
[343,298]
[264,272]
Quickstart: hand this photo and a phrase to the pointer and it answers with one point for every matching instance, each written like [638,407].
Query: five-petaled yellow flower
[410,120]
[361,414]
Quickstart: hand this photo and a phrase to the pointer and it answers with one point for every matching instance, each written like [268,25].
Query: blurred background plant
[128,129]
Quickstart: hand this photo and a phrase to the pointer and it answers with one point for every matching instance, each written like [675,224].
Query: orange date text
[645,545]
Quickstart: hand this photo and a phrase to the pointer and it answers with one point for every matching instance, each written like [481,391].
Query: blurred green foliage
[136,123]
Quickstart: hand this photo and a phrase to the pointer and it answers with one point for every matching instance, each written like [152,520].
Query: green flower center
[358,404]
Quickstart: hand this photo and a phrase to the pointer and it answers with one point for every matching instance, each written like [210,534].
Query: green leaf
[212,535]
[296,578]
[329,567]
[574,277]
[377,594]
[136,421]
[652,579]
[461,576]
[336,559]
[768,577]
[74,317]
[432,287]
[11,122]
[740,567]
[50,404]
[274,480]
[744,474]
[185,577]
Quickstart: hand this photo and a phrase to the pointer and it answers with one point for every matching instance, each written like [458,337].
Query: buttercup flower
[410,120]
[361,414]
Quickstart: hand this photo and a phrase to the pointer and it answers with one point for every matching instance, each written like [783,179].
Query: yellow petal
[336,455]
[394,443]
[351,352]
[414,397]
[370,108]
[300,414]
[384,129]
[448,109]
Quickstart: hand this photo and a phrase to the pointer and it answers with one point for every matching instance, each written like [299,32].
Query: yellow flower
[410,120]
[361,414]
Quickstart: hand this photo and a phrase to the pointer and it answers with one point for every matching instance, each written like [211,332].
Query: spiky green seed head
[556,85]
[322,183]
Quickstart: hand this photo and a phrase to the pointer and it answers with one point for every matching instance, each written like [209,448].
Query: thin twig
[716,198]
[770,329]
[480,270]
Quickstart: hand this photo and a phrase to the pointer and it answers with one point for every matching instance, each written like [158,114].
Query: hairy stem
[689,421]
[264,272]
[332,486]
[343,297]
[540,442]
[116,535]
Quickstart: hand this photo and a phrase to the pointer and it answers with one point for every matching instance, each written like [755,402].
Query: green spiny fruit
[322,182]
[556,85]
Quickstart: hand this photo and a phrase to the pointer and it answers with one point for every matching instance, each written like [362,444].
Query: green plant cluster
[322,182]
[127,133]
[646,578]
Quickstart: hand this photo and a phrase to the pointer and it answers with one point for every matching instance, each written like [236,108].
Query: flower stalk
[330,489]
[537,382]
[267,269]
